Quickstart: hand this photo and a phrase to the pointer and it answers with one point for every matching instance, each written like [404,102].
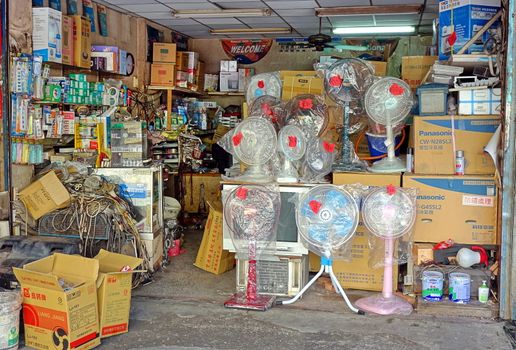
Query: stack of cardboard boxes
[189,69]
[163,68]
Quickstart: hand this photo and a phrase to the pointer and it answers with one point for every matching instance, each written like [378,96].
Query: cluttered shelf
[174,88]
[82,69]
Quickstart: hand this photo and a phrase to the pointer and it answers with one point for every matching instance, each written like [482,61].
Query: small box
[432,99]
[433,143]
[60,302]
[163,74]
[294,85]
[81,42]
[122,62]
[422,253]
[47,34]
[67,40]
[464,18]
[228,66]
[211,82]
[244,76]
[60,158]
[114,284]
[112,55]
[182,79]
[480,101]
[164,53]
[414,69]
[228,81]
[99,64]
[52,93]
[463,208]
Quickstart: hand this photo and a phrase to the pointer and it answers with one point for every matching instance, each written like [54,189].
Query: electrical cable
[361,136]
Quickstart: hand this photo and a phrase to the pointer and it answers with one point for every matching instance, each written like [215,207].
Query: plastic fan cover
[319,156]
[389,212]
[252,212]
[292,142]
[309,112]
[254,141]
[327,217]
[263,84]
[348,79]
[269,107]
[389,101]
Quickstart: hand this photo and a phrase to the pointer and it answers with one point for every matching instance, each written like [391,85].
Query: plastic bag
[309,112]
[271,108]
[264,84]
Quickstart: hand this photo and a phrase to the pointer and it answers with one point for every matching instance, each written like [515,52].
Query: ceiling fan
[320,41]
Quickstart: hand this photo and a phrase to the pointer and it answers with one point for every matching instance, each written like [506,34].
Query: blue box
[465,17]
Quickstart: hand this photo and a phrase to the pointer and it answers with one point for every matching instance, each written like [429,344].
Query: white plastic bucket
[10,305]
[460,287]
[432,282]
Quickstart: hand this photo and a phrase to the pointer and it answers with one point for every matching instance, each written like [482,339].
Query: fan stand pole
[347,162]
[251,272]
[387,270]
[326,267]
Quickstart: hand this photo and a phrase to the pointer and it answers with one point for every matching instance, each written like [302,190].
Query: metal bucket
[460,287]
[432,282]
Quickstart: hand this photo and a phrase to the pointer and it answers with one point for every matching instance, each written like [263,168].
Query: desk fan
[388,102]
[255,143]
[346,81]
[269,107]
[388,213]
[292,146]
[309,112]
[252,213]
[319,158]
[263,84]
[326,217]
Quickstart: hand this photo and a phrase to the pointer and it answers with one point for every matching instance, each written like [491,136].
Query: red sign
[246,51]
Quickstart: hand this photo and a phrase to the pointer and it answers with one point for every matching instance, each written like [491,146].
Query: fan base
[378,304]
[287,179]
[388,165]
[341,166]
[240,301]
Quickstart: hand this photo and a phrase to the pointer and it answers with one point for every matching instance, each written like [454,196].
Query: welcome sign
[246,51]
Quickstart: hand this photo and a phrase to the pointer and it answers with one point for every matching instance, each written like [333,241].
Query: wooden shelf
[36,102]
[222,93]
[87,70]
[174,88]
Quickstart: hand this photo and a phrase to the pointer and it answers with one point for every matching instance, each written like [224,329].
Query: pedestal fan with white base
[388,212]
[292,145]
[252,212]
[326,217]
[388,102]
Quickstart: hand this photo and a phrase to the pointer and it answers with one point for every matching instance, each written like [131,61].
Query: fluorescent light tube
[368,10]
[222,13]
[247,31]
[375,30]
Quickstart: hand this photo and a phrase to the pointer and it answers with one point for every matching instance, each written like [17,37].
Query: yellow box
[211,257]
[81,42]
[60,302]
[163,74]
[422,253]
[67,49]
[164,53]
[114,285]
[414,68]
[433,143]
[195,200]
[380,68]
[45,195]
[462,208]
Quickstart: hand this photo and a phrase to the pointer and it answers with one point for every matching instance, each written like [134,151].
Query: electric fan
[388,102]
[309,112]
[326,217]
[269,107]
[346,81]
[319,158]
[263,84]
[252,213]
[255,143]
[292,145]
[388,213]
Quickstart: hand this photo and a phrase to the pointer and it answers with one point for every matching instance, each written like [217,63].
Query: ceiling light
[368,10]
[251,31]
[222,13]
[374,30]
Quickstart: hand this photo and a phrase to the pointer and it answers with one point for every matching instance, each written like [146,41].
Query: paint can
[460,287]
[432,285]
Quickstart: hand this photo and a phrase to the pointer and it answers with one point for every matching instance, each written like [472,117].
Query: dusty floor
[183,309]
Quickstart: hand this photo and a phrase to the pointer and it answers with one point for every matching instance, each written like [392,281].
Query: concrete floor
[183,309]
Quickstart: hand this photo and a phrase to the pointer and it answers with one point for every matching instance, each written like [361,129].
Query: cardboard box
[211,257]
[114,285]
[47,34]
[464,18]
[60,158]
[244,76]
[45,195]
[164,53]
[228,81]
[60,302]
[110,53]
[163,74]
[298,85]
[81,42]
[380,68]
[67,52]
[480,101]
[433,145]
[462,208]
[194,202]
[422,253]
[211,82]
[228,66]
[414,69]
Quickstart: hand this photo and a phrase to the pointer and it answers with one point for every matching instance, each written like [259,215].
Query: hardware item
[460,162]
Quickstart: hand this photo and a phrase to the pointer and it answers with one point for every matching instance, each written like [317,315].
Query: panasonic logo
[431,198]
[435,133]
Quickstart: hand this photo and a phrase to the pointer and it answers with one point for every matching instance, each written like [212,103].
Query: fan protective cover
[347,80]
[263,84]
[319,158]
[327,217]
[269,107]
[254,141]
[252,212]
[389,212]
[309,112]
[389,101]
[292,142]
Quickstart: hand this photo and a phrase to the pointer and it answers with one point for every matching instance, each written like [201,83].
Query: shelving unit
[82,69]
[222,93]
